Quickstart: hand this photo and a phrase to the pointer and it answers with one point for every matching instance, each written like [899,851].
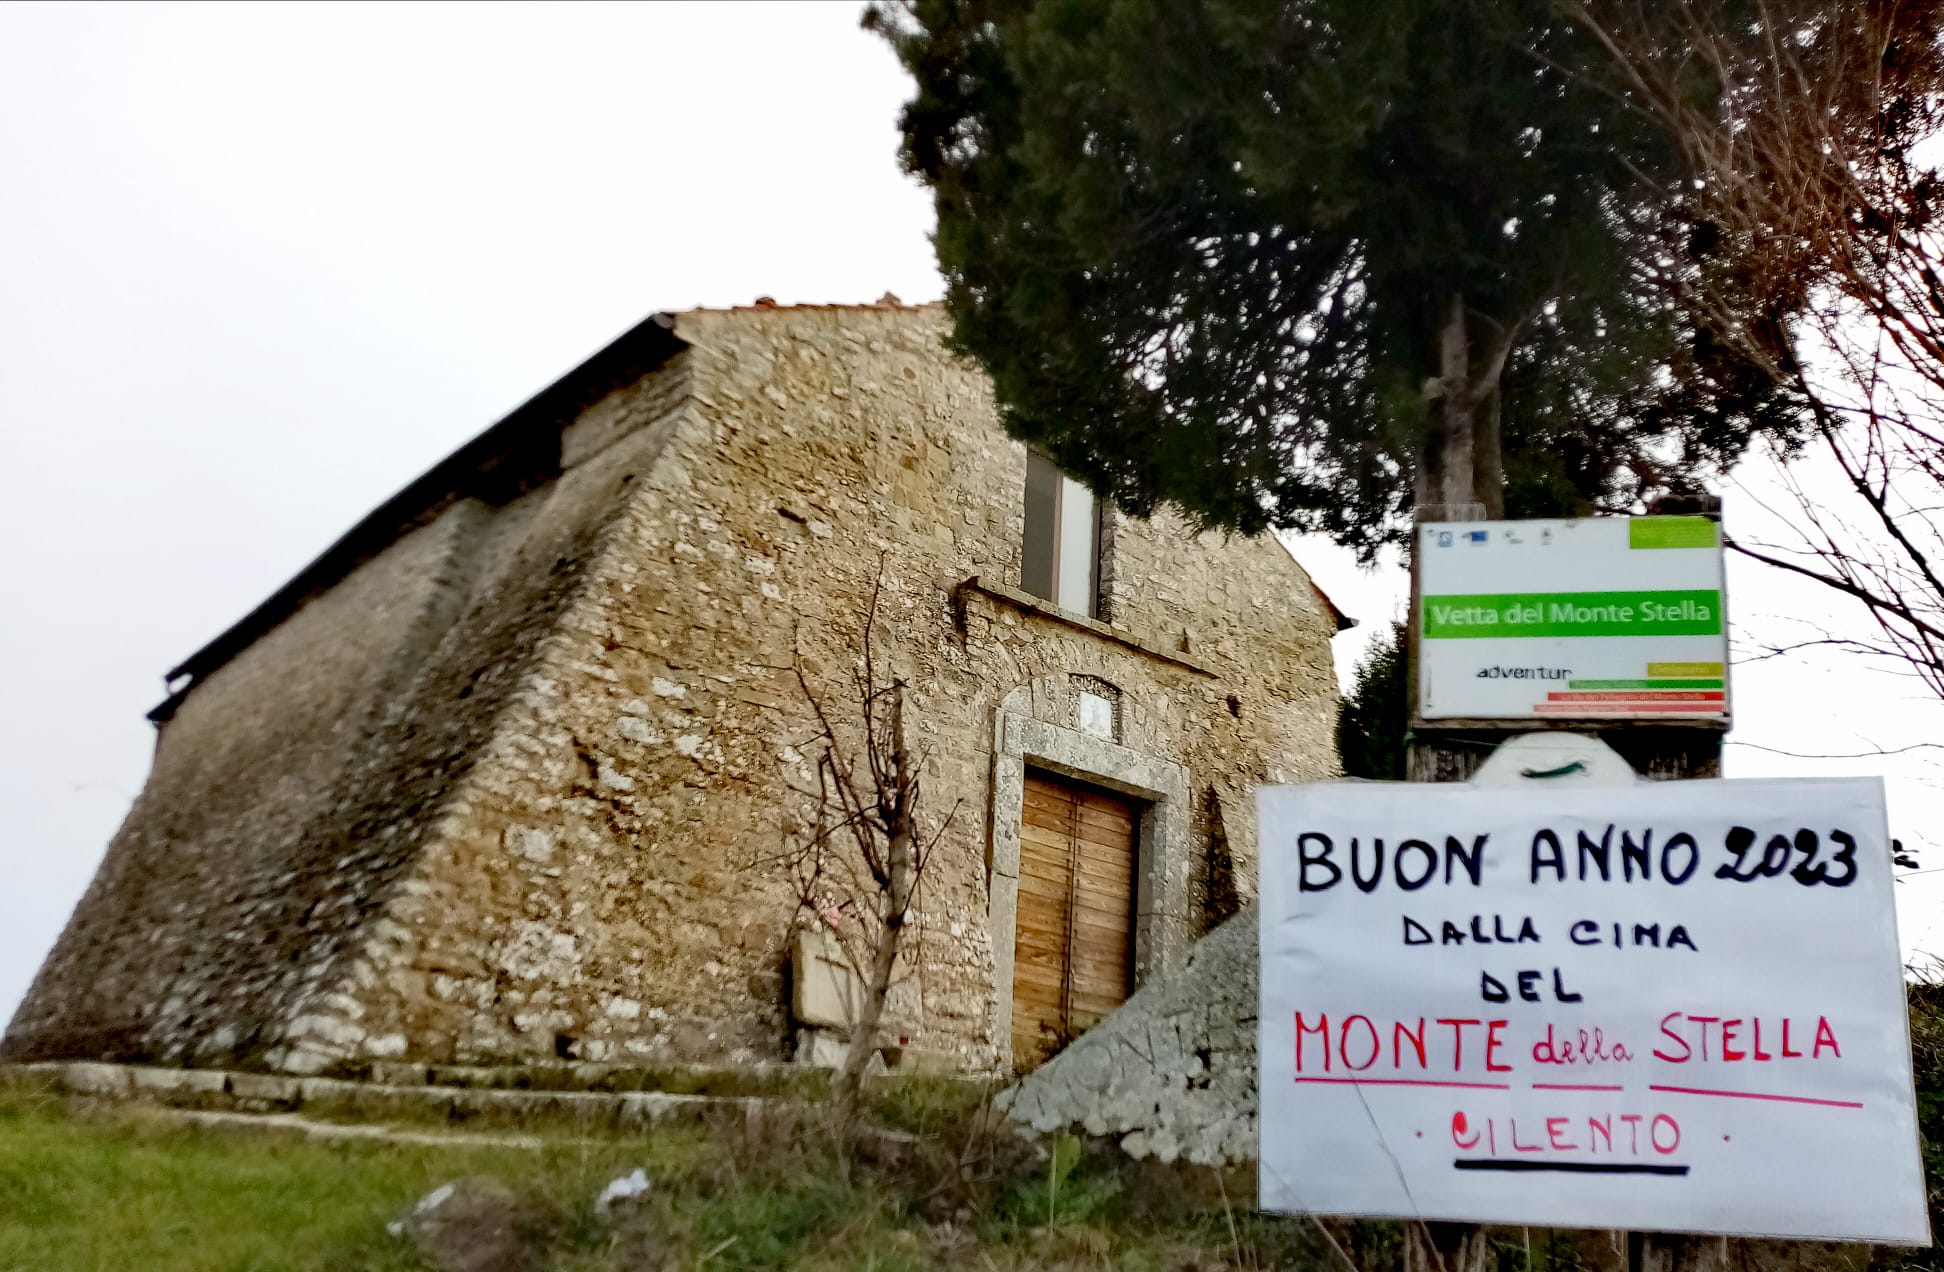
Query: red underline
[1616,708]
[1759,1095]
[1641,695]
[1572,1086]
[1417,1082]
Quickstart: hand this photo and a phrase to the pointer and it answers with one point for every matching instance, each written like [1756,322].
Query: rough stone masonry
[1172,1074]
[501,775]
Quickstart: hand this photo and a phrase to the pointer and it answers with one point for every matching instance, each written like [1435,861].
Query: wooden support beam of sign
[1436,757]
[1455,750]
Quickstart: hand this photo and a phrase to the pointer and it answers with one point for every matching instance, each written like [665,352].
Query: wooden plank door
[1073,949]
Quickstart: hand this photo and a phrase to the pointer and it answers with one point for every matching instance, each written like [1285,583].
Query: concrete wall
[587,863]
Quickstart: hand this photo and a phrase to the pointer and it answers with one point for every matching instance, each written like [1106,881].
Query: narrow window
[1042,520]
[1061,562]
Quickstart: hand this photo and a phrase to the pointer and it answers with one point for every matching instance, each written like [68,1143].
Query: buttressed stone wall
[509,774]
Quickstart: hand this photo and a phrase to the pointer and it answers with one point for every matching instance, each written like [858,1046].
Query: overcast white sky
[259,266]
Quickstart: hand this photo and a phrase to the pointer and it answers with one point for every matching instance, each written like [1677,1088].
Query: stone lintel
[1027,603]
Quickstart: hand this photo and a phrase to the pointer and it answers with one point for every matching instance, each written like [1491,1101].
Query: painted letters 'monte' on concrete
[504,774]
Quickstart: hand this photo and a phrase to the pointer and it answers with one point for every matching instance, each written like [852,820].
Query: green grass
[111,1188]
[100,1186]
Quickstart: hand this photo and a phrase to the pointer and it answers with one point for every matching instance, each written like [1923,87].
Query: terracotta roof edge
[890,304]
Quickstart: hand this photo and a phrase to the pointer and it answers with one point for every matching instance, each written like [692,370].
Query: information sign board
[1673,1006]
[1604,617]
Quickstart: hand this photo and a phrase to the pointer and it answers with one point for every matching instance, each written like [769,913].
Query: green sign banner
[1555,614]
[1672,532]
[1646,684]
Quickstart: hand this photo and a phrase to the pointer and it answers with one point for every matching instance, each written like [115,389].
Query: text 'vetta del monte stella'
[1566,613]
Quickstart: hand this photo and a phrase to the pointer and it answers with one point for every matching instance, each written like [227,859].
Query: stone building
[502,774]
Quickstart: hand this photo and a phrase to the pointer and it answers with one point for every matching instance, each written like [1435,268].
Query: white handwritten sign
[1676,1006]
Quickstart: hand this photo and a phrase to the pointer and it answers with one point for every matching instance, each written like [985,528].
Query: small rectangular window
[1042,520]
[1061,561]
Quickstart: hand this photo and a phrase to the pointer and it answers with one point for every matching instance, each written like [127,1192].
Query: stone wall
[196,914]
[294,787]
[584,863]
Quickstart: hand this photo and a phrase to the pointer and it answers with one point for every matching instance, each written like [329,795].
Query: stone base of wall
[366,1100]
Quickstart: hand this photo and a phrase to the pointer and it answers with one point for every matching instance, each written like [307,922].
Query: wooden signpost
[1460,483]
[1455,539]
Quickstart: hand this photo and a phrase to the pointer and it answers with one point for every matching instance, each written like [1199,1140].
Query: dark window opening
[1061,557]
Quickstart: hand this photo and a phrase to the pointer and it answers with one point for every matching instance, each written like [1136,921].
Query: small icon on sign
[1545,538]
[1444,538]
[1512,536]
[1477,536]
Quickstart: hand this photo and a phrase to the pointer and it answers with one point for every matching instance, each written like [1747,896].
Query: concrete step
[370,1100]
[298,1124]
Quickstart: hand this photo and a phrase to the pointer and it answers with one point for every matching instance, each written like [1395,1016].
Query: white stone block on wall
[825,992]
[821,1048]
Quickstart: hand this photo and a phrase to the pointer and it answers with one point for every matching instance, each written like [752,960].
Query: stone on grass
[635,1235]
[475,1225]
[623,1191]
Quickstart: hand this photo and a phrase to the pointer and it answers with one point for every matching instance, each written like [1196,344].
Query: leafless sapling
[857,863]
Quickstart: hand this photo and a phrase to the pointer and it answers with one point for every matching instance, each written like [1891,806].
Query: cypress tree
[1372,719]
[1277,263]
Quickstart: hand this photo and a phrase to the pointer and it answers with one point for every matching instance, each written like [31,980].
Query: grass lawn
[109,1187]
[100,1186]
[122,1187]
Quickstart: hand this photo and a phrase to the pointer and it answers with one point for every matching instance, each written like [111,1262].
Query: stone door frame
[1161,859]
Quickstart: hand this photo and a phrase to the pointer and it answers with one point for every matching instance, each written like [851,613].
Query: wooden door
[1073,949]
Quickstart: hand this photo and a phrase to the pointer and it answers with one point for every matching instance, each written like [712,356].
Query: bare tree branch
[1798,121]
[857,863]
[1838,755]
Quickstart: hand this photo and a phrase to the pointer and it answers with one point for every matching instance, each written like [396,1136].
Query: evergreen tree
[1295,264]
[1372,720]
